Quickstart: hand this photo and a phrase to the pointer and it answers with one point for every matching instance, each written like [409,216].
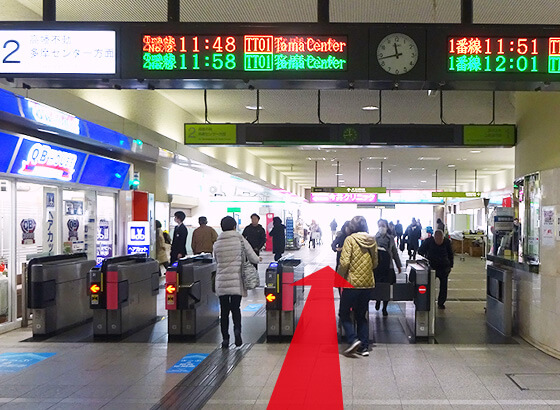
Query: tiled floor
[394,376]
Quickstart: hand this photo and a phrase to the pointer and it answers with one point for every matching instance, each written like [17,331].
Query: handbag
[249,273]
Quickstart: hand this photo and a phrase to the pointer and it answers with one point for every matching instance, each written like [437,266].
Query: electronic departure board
[471,54]
[191,52]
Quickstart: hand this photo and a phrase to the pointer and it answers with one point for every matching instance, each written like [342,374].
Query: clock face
[397,53]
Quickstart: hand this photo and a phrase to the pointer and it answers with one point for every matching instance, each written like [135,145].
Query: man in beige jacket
[203,237]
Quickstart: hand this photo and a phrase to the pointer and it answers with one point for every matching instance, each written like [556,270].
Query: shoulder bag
[249,273]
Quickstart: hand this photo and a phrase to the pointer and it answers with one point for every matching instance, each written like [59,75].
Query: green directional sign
[456,194]
[350,190]
[198,134]
[234,209]
[489,135]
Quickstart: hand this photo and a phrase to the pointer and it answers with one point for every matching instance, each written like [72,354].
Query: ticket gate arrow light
[94,288]
[270,297]
[310,375]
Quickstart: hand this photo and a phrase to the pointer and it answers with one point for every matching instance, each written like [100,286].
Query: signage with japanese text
[57,52]
[50,237]
[138,237]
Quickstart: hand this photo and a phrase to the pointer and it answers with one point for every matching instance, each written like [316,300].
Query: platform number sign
[138,237]
[57,52]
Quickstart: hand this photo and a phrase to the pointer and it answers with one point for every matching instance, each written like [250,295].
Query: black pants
[356,301]
[443,276]
[230,303]
[399,239]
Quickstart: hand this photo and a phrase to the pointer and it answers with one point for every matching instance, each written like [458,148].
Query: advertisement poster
[104,245]
[548,213]
[28,231]
[50,239]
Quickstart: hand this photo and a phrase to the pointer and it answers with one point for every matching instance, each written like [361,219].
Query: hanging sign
[210,134]
[57,52]
[456,194]
[351,190]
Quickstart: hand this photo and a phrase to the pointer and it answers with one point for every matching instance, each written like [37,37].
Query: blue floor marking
[253,307]
[188,363]
[14,362]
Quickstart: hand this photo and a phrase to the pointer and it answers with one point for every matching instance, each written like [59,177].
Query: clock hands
[396,50]
[397,54]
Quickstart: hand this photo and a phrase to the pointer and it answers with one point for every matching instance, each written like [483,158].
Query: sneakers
[352,348]
[225,344]
[238,341]
[385,312]
[362,352]
[441,306]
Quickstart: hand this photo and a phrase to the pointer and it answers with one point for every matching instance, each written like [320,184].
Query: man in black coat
[179,244]
[437,249]
[255,234]
[278,234]
[398,232]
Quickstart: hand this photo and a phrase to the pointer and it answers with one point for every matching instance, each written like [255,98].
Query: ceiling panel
[111,10]
[516,12]
[249,11]
[21,10]
[396,11]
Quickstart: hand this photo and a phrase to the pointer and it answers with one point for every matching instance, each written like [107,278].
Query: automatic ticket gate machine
[419,288]
[57,292]
[192,305]
[284,302]
[123,294]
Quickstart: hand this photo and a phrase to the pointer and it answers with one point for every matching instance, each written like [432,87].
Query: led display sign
[57,52]
[250,52]
[471,54]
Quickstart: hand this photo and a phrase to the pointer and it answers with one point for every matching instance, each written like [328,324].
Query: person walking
[440,225]
[203,237]
[229,250]
[398,232]
[439,253]
[314,233]
[411,237]
[278,235]
[255,234]
[333,229]
[387,252]
[162,248]
[338,242]
[358,259]
[179,244]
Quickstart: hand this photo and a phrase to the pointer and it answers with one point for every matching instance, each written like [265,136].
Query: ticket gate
[57,292]
[192,305]
[123,294]
[284,302]
[419,288]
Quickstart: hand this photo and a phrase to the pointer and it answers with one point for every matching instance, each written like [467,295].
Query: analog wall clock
[397,53]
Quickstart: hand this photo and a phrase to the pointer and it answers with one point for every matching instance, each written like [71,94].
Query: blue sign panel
[187,363]
[14,362]
[104,172]
[52,117]
[131,249]
[253,307]
[8,145]
[37,159]
[107,136]
[8,102]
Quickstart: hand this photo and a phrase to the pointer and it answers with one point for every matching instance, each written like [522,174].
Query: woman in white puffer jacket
[229,284]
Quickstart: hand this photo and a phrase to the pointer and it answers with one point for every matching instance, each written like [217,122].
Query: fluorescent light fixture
[475,151]
[339,174]
[253,107]
[375,168]
[423,182]
[416,169]
[374,158]
[450,165]
[429,158]
[432,93]
[370,108]
[316,159]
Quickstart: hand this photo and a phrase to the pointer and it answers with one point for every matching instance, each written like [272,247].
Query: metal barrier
[283,301]
[190,301]
[499,304]
[123,294]
[56,292]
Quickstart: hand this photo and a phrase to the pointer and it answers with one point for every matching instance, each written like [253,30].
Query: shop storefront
[55,198]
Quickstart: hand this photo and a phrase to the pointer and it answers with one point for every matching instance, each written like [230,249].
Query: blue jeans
[358,301]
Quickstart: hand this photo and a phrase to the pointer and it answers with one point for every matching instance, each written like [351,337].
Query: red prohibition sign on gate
[422,289]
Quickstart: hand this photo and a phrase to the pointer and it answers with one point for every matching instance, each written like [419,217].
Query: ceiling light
[450,165]
[316,159]
[370,108]
[475,151]
[429,158]
[432,93]
[416,169]
[374,168]
[424,181]
[253,107]
[387,170]
[339,174]
[374,158]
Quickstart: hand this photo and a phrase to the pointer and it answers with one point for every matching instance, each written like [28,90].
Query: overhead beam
[49,10]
